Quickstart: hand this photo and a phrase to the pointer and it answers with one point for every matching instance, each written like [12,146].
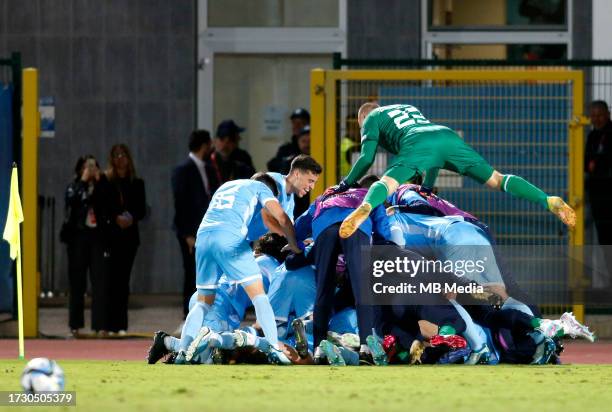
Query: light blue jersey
[421,233]
[221,246]
[292,292]
[267,264]
[448,238]
[257,228]
[234,205]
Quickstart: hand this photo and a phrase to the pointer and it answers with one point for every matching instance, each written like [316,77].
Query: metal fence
[597,73]
[524,122]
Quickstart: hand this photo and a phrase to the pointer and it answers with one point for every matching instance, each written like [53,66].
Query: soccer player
[292,295]
[321,221]
[221,247]
[515,337]
[423,148]
[438,229]
[303,175]
[231,301]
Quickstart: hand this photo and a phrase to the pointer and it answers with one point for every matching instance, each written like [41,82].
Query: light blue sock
[474,334]
[512,303]
[265,318]
[171,343]
[224,340]
[193,323]
[262,344]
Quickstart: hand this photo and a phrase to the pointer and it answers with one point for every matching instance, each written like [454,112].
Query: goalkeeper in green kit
[423,148]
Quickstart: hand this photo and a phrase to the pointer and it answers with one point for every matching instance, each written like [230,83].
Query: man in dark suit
[193,184]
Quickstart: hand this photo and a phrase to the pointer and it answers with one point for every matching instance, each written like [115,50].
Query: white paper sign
[273,118]
[46,107]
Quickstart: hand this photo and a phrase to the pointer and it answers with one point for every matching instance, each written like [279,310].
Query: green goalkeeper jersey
[389,127]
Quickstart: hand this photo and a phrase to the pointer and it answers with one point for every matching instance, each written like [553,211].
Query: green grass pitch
[121,386]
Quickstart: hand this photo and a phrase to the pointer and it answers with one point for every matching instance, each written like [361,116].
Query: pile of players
[308,287]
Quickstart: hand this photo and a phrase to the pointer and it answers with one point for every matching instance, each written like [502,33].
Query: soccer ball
[42,374]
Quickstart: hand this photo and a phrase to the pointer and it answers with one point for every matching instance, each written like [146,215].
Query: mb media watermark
[426,288]
[428,273]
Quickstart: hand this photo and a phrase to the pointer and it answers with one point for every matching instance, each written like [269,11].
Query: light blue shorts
[220,252]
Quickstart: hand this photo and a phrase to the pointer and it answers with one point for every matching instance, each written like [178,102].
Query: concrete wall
[388,29]
[601,29]
[120,71]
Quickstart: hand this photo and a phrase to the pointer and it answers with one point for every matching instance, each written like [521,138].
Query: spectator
[230,162]
[300,118]
[349,144]
[598,168]
[132,206]
[193,183]
[303,144]
[91,206]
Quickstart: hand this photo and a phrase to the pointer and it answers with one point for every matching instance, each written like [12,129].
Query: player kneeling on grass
[229,308]
[221,247]
[292,295]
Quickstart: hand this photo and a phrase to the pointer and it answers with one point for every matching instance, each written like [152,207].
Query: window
[496,29]
[500,51]
[273,13]
[497,14]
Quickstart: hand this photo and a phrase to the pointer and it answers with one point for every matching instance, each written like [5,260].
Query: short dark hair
[368,181]
[267,180]
[600,104]
[271,244]
[305,163]
[197,138]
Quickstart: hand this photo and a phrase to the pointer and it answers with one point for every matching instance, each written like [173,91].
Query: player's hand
[86,175]
[339,188]
[497,289]
[425,191]
[297,248]
[390,210]
[123,221]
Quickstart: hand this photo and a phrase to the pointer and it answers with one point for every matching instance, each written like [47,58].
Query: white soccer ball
[42,374]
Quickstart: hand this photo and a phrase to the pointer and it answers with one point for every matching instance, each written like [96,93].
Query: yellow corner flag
[11,234]
[14,217]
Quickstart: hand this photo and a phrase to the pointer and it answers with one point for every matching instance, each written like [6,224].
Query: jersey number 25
[407,116]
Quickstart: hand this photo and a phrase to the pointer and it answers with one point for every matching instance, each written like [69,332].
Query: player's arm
[286,226]
[271,223]
[430,179]
[369,144]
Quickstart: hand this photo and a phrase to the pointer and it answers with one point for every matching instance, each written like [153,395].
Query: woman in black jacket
[90,207]
[126,239]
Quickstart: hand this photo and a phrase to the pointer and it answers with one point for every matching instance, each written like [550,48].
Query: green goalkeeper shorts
[440,149]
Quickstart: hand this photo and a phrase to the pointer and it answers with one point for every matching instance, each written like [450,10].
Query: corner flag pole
[12,236]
